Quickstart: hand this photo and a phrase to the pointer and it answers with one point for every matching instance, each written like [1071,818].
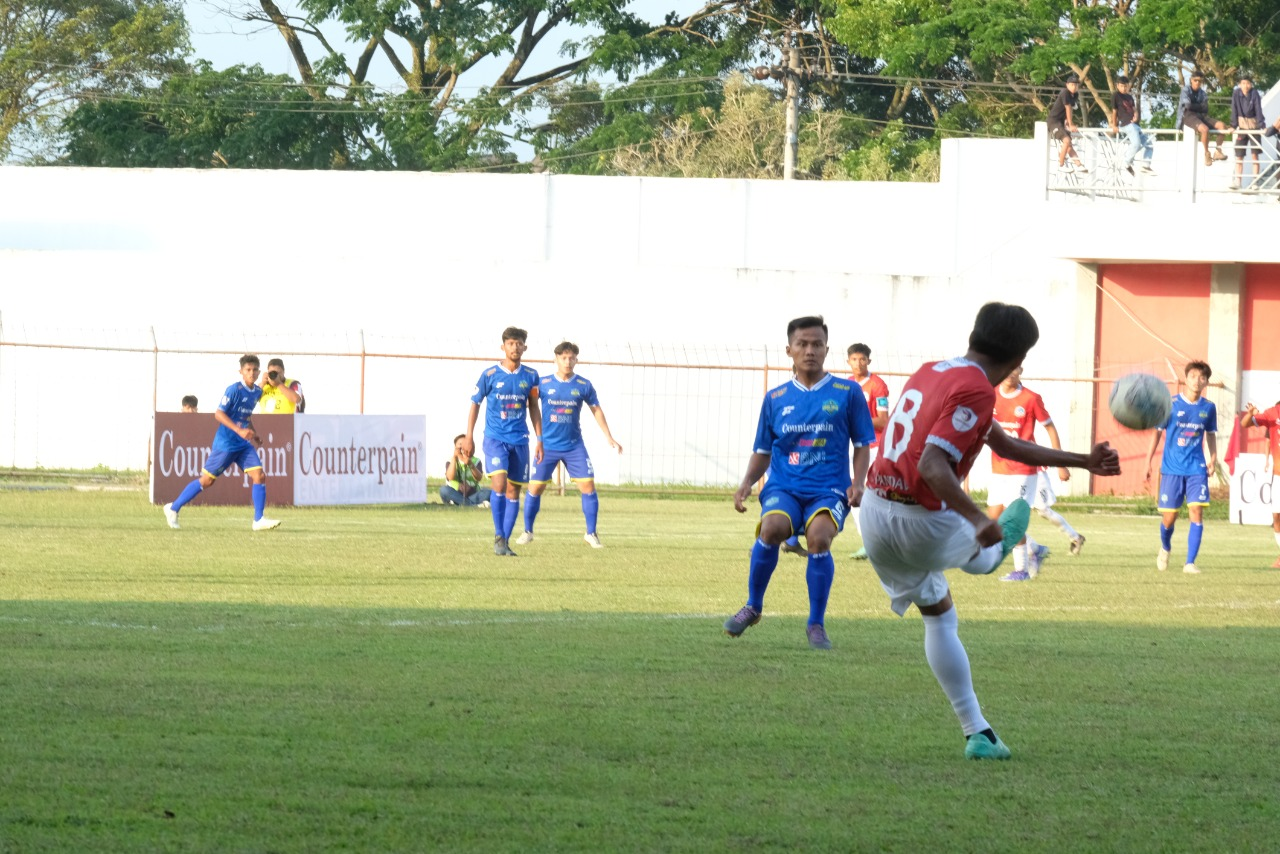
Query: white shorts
[1004,489]
[910,547]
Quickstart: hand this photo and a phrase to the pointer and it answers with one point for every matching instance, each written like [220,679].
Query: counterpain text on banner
[1252,492]
[308,459]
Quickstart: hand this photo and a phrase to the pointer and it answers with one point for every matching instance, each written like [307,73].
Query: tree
[241,117]
[54,52]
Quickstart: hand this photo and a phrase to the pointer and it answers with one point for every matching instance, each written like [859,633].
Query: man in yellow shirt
[280,395]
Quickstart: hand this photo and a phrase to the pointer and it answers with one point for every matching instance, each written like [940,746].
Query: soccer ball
[1140,401]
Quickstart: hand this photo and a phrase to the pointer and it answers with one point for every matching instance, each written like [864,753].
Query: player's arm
[1102,459]
[245,432]
[469,443]
[535,415]
[756,467]
[938,471]
[1249,416]
[598,411]
[1051,431]
[1211,442]
[861,462]
[1151,452]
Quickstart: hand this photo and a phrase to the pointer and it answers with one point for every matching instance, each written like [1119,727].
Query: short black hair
[515,333]
[459,436]
[1198,365]
[190,400]
[276,363]
[810,321]
[1004,332]
[860,348]
[249,359]
[565,347]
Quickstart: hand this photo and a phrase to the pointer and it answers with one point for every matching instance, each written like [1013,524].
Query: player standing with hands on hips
[236,443]
[917,520]
[509,391]
[806,427]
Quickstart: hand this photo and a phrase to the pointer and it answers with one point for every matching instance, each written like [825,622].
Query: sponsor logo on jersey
[786,410]
[771,501]
[836,384]
[964,419]
[499,384]
[495,461]
[778,392]
[491,371]
[812,443]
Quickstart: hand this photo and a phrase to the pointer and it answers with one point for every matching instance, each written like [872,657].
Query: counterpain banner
[308,459]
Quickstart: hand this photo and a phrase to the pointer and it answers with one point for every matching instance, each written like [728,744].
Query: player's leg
[1275,532]
[776,524]
[542,474]
[1005,489]
[1172,491]
[950,665]
[258,487]
[820,529]
[1197,500]
[577,463]
[215,465]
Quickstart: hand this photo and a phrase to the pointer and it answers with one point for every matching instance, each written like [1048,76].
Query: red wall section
[1150,317]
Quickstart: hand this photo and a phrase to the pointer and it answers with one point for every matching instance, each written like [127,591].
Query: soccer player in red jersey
[1018,410]
[876,391]
[1271,420]
[917,520]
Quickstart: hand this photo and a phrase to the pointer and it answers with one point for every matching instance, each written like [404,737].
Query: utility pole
[793,110]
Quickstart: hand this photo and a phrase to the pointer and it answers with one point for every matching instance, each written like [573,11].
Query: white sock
[950,665]
[855,514]
[985,560]
[1020,555]
[1056,518]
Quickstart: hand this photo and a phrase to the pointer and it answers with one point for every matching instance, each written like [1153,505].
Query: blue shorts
[576,462]
[221,459]
[801,509]
[511,460]
[1174,488]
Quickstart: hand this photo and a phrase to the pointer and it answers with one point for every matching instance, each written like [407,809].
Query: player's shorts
[910,547]
[1176,488]
[1004,489]
[576,462]
[221,459]
[801,509]
[503,458]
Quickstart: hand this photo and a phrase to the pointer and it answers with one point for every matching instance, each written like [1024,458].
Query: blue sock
[591,509]
[532,504]
[509,515]
[793,540]
[819,575]
[1166,537]
[1193,541]
[764,560]
[193,489]
[498,509]
[259,491]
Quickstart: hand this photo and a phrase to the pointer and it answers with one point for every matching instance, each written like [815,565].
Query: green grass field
[374,679]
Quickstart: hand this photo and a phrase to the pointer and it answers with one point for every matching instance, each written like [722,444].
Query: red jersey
[947,404]
[1018,415]
[1271,420]
[876,391]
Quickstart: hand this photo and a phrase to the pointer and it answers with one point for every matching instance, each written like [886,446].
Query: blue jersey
[1184,436]
[507,402]
[238,402]
[808,433]
[562,404]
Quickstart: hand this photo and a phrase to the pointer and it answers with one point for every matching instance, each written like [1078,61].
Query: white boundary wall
[296,260]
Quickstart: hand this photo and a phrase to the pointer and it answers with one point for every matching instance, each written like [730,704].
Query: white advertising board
[359,459]
[1251,492]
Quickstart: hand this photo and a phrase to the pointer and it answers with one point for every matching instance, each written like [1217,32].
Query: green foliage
[54,52]
[374,679]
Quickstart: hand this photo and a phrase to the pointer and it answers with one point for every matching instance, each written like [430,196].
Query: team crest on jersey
[830,407]
[1204,415]
[575,393]
[1020,411]
[523,384]
[964,419]
[787,410]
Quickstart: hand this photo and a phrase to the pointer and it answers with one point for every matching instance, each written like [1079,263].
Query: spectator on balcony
[1125,113]
[1193,112]
[1246,115]
[1062,122]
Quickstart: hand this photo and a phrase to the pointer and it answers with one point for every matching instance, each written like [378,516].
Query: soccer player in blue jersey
[1184,474]
[563,395]
[806,427]
[235,443]
[509,391]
